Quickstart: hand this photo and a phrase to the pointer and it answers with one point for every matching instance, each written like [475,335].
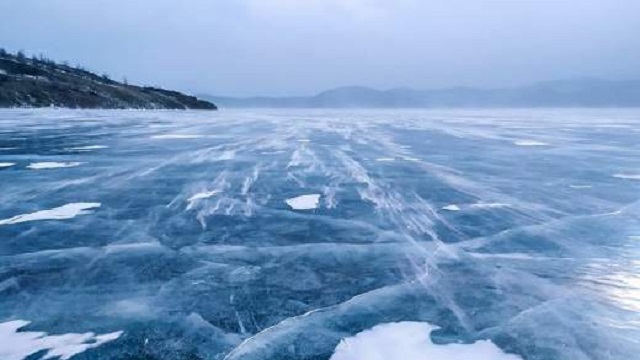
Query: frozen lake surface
[308,234]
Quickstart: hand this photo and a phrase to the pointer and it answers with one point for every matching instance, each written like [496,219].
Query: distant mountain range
[586,92]
[40,82]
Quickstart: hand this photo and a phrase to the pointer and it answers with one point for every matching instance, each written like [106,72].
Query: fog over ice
[287,47]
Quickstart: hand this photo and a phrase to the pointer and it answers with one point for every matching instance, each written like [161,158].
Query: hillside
[565,93]
[39,82]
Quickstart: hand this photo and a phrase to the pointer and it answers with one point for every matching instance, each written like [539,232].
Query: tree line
[39,59]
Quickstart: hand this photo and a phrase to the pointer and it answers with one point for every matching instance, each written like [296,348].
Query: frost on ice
[411,341]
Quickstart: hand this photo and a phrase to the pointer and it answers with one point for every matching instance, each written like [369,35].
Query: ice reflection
[623,286]
[618,282]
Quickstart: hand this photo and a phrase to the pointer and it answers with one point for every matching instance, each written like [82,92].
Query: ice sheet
[195,253]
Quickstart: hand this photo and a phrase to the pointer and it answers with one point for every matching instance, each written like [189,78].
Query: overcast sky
[278,47]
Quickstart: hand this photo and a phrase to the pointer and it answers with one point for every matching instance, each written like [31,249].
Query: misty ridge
[579,92]
[40,82]
[405,53]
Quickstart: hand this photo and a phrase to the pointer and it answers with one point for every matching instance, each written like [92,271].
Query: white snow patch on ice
[177,136]
[160,126]
[452,207]
[411,341]
[529,143]
[304,202]
[52,165]
[488,205]
[627,176]
[227,155]
[18,345]
[67,211]
[88,148]
[274,152]
[458,207]
[385,159]
[580,186]
[6,164]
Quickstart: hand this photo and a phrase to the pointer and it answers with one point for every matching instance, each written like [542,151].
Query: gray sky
[278,47]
